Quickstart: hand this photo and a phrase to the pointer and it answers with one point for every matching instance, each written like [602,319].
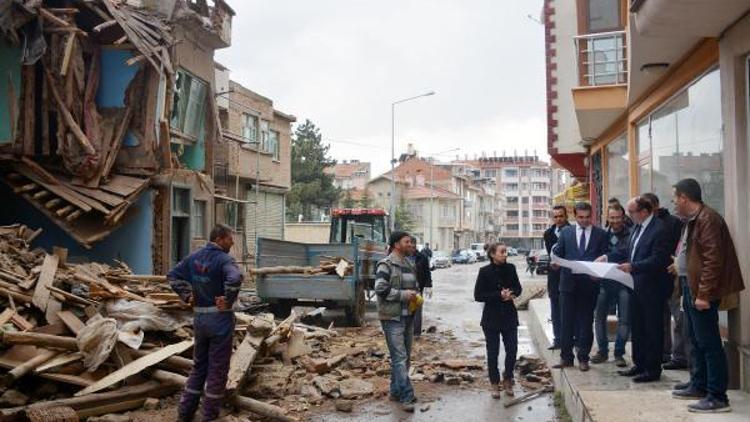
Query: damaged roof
[66,139]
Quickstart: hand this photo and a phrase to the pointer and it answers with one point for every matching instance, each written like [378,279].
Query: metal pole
[393,167]
[432,200]
[257,194]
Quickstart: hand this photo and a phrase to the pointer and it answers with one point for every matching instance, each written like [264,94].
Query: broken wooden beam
[46,278]
[137,366]
[70,122]
[39,340]
[19,371]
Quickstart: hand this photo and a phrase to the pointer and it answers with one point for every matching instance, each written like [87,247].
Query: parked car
[541,260]
[464,257]
[512,251]
[440,259]
[478,249]
[523,251]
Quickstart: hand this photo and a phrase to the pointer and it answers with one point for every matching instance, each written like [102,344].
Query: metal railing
[601,58]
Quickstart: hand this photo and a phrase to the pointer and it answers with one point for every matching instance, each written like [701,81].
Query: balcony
[601,95]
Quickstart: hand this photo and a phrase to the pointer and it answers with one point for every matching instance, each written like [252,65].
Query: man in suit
[560,221]
[647,259]
[578,293]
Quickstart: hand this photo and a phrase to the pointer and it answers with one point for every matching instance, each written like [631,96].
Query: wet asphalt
[452,307]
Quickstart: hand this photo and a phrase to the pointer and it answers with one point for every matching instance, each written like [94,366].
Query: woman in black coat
[497,286]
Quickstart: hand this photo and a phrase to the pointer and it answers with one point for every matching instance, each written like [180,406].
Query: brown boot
[497,391]
[508,387]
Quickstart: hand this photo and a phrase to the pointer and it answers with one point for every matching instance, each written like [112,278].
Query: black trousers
[577,320]
[553,290]
[647,309]
[510,342]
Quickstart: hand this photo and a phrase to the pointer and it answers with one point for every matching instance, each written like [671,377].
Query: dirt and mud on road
[448,368]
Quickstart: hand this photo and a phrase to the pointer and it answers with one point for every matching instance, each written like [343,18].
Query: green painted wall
[10,72]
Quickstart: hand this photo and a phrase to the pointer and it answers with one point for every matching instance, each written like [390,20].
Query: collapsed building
[107,121]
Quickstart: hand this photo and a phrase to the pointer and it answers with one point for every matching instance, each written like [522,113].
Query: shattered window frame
[189,105]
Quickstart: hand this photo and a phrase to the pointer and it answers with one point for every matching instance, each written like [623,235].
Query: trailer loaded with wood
[332,275]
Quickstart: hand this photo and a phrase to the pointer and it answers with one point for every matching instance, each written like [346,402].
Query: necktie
[582,243]
[636,232]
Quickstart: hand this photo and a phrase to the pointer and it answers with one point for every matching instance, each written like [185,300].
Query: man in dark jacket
[676,349]
[209,280]
[709,271]
[559,222]
[611,291]
[646,259]
[424,281]
[578,293]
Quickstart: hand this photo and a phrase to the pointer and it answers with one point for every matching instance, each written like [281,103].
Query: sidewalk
[601,395]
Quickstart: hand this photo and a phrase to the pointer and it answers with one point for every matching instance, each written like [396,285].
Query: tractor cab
[362,223]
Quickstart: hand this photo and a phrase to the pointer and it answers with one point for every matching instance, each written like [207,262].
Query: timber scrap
[67,157]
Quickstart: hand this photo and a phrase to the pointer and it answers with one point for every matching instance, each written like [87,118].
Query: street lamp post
[392,210]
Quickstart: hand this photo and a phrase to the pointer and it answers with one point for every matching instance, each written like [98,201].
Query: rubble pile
[92,339]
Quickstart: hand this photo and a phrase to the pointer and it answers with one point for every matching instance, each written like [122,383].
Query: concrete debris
[112,417]
[346,406]
[354,388]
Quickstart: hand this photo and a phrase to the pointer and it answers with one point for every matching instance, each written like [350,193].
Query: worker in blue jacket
[209,280]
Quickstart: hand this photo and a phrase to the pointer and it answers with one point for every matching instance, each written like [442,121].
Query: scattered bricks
[327,385]
[452,380]
[438,377]
[346,406]
[353,388]
[467,377]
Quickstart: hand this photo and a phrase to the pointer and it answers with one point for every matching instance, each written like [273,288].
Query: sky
[342,63]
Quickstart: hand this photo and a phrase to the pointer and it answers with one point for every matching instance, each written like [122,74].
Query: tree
[402,219]
[348,201]
[365,201]
[312,190]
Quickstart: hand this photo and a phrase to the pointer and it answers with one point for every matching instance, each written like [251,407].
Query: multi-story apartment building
[524,186]
[641,94]
[252,163]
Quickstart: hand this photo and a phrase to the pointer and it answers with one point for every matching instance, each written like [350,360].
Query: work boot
[508,387]
[497,391]
[409,405]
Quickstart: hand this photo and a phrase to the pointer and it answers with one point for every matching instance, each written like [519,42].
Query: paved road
[453,307]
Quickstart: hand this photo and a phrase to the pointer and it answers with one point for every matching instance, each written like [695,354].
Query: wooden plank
[136,367]
[21,322]
[123,185]
[59,361]
[45,118]
[118,407]
[69,45]
[52,18]
[70,122]
[39,170]
[53,307]
[71,321]
[40,340]
[116,143]
[24,368]
[98,194]
[59,190]
[73,216]
[29,80]
[6,316]
[68,379]
[26,188]
[46,278]
[5,292]
[71,297]
[40,195]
